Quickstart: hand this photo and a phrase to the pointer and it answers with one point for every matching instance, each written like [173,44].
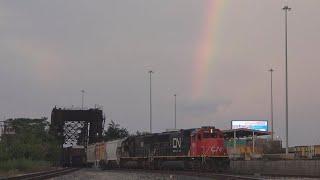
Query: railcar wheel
[102,165]
[195,165]
[159,165]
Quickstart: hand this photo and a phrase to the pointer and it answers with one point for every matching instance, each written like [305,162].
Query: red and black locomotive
[201,148]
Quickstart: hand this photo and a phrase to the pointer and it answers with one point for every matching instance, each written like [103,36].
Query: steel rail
[43,174]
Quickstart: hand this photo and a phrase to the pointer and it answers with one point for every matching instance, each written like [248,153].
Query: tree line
[114,131]
[32,140]
[32,146]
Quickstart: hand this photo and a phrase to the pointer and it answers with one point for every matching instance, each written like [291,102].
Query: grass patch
[23,165]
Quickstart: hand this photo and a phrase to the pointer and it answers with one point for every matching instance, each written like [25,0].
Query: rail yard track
[43,174]
[218,176]
[137,174]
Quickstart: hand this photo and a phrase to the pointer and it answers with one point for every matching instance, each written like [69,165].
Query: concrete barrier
[277,167]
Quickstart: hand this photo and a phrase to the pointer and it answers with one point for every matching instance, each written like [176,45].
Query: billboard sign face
[260,125]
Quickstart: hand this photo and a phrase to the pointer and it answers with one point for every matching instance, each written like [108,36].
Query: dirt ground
[95,174]
[4,174]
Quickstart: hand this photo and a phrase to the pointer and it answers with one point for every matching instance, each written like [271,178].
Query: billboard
[260,125]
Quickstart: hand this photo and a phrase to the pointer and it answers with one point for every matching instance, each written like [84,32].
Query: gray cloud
[50,50]
[203,108]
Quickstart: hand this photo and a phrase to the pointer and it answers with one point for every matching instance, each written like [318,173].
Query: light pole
[175,111]
[286,9]
[271,103]
[82,98]
[150,73]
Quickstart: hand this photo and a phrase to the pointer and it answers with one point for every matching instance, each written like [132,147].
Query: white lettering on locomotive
[215,149]
[176,142]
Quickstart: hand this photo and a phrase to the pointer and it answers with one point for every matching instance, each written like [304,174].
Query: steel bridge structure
[77,126]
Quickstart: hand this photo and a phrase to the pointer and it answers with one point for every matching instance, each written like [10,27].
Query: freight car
[307,152]
[73,156]
[91,155]
[96,154]
[104,154]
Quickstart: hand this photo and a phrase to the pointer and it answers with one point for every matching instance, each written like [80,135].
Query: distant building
[7,128]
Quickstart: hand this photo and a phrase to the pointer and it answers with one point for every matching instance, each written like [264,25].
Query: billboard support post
[253,142]
[234,141]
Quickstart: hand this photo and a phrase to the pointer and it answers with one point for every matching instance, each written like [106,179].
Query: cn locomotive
[194,149]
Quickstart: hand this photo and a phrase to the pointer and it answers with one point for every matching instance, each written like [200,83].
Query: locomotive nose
[217,147]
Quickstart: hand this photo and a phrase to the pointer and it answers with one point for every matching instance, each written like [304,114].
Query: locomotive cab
[207,141]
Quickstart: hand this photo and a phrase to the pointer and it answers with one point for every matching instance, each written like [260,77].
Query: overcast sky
[51,50]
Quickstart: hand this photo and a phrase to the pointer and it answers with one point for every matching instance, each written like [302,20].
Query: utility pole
[175,111]
[82,98]
[271,103]
[150,73]
[286,9]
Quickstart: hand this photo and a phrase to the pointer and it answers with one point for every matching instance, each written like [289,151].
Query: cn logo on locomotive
[176,143]
[215,149]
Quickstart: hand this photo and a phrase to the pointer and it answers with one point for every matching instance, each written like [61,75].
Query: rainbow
[207,47]
[41,58]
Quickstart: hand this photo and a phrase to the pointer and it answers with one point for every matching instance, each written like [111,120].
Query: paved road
[95,174]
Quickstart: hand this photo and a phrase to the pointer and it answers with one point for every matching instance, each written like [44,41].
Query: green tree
[31,140]
[114,131]
[140,133]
